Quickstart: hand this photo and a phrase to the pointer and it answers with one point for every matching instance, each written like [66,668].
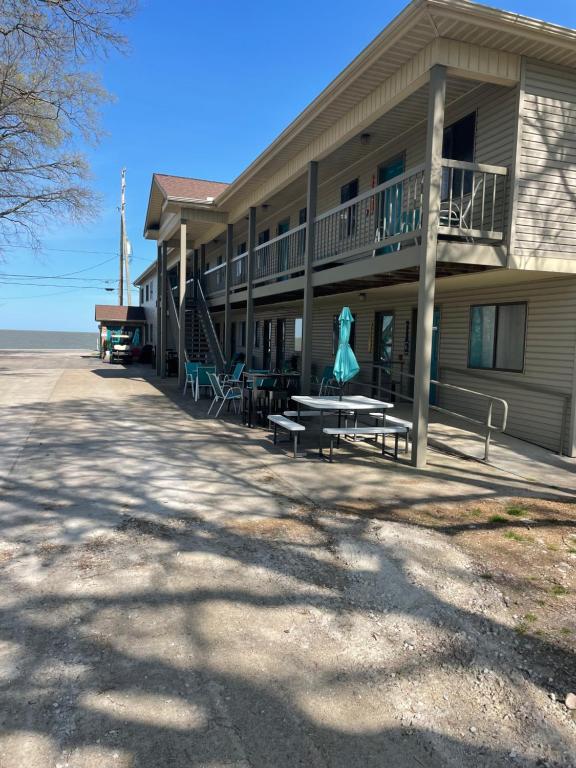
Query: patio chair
[190,380]
[327,379]
[457,216]
[222,394]
[236,376]
[202,380]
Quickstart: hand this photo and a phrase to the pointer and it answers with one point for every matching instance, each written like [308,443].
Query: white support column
[427,270]
[158,308]
[182,306]
[163,308]
[249,299]
[311,201]
[227,321]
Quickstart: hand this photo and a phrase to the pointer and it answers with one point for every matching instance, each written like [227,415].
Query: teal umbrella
[345,366]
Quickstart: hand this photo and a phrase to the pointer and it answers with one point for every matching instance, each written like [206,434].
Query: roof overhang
[423,27]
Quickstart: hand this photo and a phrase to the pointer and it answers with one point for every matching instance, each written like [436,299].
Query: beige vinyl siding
[545,220]
[537,397]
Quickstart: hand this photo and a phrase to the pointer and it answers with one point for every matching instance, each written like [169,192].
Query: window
[147,291]
[298,334]
[141,295]
[336,333]
[151,334]
[264,236]
[348,217]
[497,337]
[151,290]
[242,248]
[243,333]
[256,334]
[220,272]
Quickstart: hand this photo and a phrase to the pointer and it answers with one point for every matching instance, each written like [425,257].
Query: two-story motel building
[431,187]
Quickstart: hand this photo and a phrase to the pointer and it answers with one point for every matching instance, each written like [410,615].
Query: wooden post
[427,270]
[182,305]
[311,201]
[249,300]
[227,274]
[164,309]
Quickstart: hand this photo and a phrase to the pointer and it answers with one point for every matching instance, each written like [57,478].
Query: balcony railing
[473,201]
[215,279]
[385,218]
[238,271]
[378,220]
[280,257]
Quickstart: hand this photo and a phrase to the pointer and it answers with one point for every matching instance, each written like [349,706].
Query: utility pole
[127,243]
[122,238]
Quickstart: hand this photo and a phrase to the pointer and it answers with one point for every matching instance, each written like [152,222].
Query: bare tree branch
[49,106]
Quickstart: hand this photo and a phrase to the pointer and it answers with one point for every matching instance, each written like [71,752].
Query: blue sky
[205,87]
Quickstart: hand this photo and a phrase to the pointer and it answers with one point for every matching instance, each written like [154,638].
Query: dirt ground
[168,598]
[525,547]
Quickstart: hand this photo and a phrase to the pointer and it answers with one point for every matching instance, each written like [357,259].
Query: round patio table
[337,404]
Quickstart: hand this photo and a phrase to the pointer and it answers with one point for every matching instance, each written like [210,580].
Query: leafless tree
[49,108]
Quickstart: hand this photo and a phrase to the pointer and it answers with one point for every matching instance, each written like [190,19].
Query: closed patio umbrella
[345,366]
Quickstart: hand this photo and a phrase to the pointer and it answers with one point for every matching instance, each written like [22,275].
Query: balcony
[384,219]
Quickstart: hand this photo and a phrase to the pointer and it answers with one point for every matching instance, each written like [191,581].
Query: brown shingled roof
[112,313]
[190,189]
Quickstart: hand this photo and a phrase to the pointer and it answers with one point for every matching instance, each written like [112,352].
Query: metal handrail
[206,312]
[486,424]
[522,385]
[278,238]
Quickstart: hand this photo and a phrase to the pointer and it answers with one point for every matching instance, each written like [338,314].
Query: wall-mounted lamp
[265,206]
[365,139]
[362,296]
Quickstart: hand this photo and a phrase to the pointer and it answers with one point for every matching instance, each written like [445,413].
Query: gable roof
[179,189]
[113,313]
[185,188]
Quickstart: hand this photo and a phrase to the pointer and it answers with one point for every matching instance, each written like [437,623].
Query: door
[435,353]
[389,221]
[232,340]
[280,344]
[266,344]
[383,353]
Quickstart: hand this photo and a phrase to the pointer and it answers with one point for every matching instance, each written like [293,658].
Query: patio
[175,590]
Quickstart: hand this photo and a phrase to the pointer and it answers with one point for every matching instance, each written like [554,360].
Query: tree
[49,108]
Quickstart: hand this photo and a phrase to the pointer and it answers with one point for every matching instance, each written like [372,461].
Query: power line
[59,250]
[57,277]
[36,296]
[44,285]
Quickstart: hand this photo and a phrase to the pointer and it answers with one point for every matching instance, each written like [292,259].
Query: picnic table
[336,404]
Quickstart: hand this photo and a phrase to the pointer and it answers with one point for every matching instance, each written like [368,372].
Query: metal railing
[385,218]
[238,271]
[282,256]
[381,373]
[215,279]
[473,200]
[564,398]
[379,220]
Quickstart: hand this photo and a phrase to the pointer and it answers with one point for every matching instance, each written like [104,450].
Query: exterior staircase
[202,343]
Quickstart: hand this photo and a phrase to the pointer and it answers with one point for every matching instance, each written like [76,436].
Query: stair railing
[209,329]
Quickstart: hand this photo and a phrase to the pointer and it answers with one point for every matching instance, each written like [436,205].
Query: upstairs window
[497,337]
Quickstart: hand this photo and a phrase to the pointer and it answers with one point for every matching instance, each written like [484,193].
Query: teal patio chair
[190,380]
[223,394]
[202,380]
[235,377]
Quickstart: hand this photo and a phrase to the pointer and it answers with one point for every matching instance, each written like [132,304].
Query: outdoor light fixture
[265,206]
[365,139]
[362,296]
